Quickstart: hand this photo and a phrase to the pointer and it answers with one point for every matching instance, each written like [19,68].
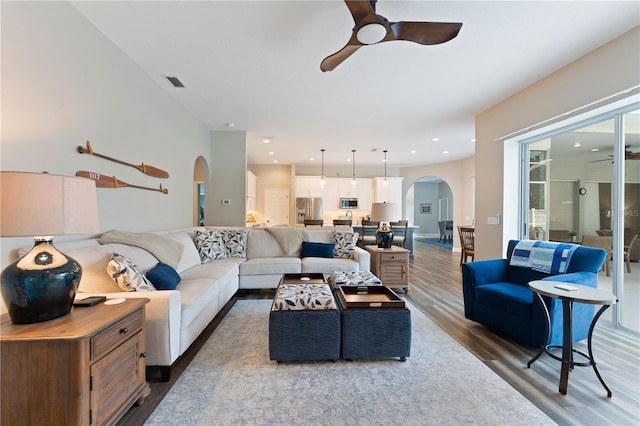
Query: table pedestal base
[567,345]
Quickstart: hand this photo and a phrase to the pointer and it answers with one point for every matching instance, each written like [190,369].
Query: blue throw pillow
[317,249]
[163,277]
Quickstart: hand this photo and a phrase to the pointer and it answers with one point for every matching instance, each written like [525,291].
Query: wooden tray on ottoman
[310,278]
[368,297]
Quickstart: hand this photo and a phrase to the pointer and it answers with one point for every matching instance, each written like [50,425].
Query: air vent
[175,81]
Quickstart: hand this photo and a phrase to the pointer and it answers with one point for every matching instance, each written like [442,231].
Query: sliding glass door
[582,184]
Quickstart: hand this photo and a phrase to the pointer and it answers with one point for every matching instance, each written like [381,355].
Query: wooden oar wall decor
[103,181]
[144,168]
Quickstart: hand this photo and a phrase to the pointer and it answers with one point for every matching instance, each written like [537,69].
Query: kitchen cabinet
[389,191]
[365,194]
[347,188]
[308,186]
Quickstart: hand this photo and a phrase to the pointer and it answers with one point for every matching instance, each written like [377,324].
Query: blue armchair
[496,294]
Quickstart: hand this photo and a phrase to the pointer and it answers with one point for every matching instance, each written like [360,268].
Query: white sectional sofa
[175,318]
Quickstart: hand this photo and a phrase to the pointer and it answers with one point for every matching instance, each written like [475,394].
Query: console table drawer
[117,333]
[394,256]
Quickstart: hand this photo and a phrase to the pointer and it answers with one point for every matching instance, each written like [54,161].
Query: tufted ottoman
[372,329]
[353,278]
[304,324]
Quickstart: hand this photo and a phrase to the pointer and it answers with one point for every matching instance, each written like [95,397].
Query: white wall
[64,83]
[608,70]
[228,180]
[458,175]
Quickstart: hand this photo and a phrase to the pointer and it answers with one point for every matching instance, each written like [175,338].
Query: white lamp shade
[45,204]
[384,212]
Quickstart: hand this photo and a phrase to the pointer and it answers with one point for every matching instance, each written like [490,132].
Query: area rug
[435,242]
[231,381]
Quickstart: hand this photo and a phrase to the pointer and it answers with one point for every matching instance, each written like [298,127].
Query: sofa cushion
[235,242]
[210,245]
[260,243]
[190,256]
[345,243]
[327,266]
[163,277]
[513,298]
[126,274]
[271,266]
[310,249]
[94,259]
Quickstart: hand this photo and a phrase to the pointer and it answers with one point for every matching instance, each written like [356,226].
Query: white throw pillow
[210,245]
[127,275]
[344,243]
[235,242]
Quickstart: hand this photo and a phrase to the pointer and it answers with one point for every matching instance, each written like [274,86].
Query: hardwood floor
[436,289]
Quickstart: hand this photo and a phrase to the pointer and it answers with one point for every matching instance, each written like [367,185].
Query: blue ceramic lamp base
[41,285]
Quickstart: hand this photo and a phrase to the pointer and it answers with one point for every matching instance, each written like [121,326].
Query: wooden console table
[391,265]
[85,368]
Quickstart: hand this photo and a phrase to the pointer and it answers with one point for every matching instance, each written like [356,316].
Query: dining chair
[448,230]
[441,227]
[342,222]
[467,237]
[399,230]
[629,241]
[604,242]
[313,222]
[368,234]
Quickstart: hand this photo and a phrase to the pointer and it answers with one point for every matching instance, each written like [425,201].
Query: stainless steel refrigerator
[308,208]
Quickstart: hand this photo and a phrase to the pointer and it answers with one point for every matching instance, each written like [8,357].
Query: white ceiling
[254,66]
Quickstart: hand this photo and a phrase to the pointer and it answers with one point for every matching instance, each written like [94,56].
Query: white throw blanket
[165,249]
[289,238]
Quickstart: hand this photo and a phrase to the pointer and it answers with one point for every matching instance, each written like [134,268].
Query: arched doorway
[200,178]
[432,203]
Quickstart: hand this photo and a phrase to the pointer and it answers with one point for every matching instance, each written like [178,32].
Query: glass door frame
[618,185]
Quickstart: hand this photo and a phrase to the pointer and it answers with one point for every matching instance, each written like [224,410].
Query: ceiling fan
[628,155]
[371,28]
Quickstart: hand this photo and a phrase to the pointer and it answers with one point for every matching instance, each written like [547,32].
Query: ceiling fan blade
[332,61]
[426,32]
[361,10]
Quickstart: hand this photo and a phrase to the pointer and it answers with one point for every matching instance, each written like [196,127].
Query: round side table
[571,293]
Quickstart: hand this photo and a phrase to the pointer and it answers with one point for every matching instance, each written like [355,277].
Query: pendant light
[385,166]
[353,165]
[322,178]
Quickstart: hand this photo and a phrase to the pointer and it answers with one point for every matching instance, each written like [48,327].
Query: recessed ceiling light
[265,140]
[275,161]
[271,152]
[312,159]
[413,151]
[473,140]
[435,139]
[595,149]
[577,144]
[348,159]
[445,152]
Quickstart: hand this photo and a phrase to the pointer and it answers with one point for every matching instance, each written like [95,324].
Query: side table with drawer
[85,368]
[391,265]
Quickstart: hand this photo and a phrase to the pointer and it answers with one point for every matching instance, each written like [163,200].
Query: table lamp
[384,213]
[41,285]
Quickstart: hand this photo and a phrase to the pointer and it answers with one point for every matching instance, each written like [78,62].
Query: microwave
[348,203]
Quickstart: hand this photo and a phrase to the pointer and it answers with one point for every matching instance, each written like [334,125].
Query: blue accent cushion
[163,277]
[310,249]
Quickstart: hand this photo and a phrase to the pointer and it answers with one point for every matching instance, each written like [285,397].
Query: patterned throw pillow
[345,242]
[235,241]
[125,273]
[210,245]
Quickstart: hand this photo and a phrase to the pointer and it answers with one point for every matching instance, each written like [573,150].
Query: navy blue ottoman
[375,333]
[304,324]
